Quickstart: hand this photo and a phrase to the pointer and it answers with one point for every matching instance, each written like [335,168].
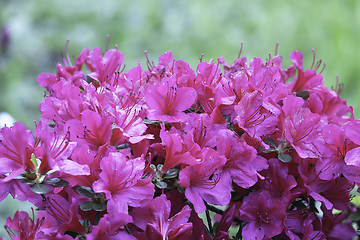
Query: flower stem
[208,218]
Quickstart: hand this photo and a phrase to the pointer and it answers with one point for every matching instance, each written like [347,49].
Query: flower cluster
[140,154]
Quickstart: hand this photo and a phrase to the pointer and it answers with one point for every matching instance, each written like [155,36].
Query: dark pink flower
[129,126]
[225,223]
[111,228]
[328,104]
[307,79]
[4,188]
[340,154]
[62,215]
[53,147]
[265,216]
[335,226]
[83,168]
[154,220]
[278,181]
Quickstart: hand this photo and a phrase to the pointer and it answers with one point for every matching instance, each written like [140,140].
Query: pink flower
[16,147]
[253,118]
[203,181]
[166,101]
[174,150]
[121,181]
[241,159]
[25,226]
[299,127]
[63,215]
[93,129]
[103,69]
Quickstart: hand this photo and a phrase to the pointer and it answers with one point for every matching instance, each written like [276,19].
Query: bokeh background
[34,34]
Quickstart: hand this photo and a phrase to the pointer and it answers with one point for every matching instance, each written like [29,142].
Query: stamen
[313,59]
[276,48]
[240,50]
[107,43]
[201,58]
[322,69]
[148,63]
[67,53]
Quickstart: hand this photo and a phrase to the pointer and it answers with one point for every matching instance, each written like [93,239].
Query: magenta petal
[322,199]
[181,217]
[121,182]
[243,175]
[183,232]
[166,101]
[352,131]
[192,194]
[4,190]
[353,157]
[251,231]
[152,233]
[352,172]
[73,168]
[297,58]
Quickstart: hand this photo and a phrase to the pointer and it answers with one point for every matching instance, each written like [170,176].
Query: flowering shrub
[140,154]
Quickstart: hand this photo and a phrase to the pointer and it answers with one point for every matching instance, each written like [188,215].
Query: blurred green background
[38,31]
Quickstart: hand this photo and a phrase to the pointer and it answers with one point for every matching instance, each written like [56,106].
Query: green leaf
[284,157]
[269,150]
[161,184]
[99,207]
[355,216]
[39,188]
[51,181]
[60,183]
[28,181]
[171,173]
[303,94]
[85,191]
[153,167]
[33,160]
[147,121]
[270,142]
[86,206]
[87,224]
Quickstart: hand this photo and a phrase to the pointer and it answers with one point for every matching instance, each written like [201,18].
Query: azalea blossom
[141,153]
